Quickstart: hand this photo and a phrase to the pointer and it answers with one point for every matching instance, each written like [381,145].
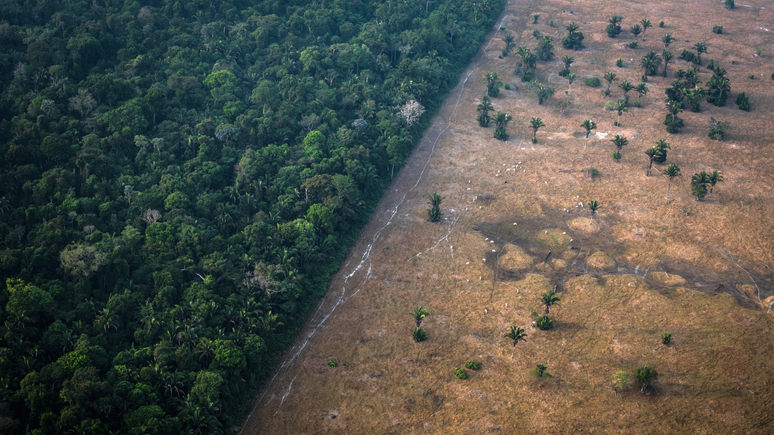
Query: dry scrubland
[478,273]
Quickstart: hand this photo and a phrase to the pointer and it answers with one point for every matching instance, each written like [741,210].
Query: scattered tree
[636,30]
[641,89]
[567,60]
[483,111]
[535,124]
[650,63]
[626,87]
[501,121]
[493,84]
[542,91]
[645,376]
[588,125]
[574,39]
[545,49]
[672,122]
[667,56]
[621,106]
[571,78]
[645,24]
[508,38]
[614,28]
[671,172]
[549,299]
[715,177]
[699,182]
[434,213]
[667,39]
[743,102]
[621,381]
[516,334]
[610,78]
[593,206]
[666,338]
[419,313]
[544,322]
[717,129]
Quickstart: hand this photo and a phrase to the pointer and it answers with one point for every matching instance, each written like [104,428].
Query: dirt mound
[515,259]
[668,279]
[601,261]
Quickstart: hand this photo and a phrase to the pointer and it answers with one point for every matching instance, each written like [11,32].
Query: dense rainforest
[180,179]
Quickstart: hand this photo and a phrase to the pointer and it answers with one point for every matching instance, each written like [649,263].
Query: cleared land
[508,204]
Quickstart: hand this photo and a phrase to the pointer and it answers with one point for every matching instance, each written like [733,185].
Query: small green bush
[460,374]
[730,4]
[595,83]
[632,44]
[544,322]
[534,140]
[752,76]
[637,103]
[743,101]
[535,18]
[616,156]
[332,363]
[661,24]
[419,334]
[619,63]
[666,338]
[507,87]
[592,172]
[610,105]
[472,365]
[717,29]
[563,72]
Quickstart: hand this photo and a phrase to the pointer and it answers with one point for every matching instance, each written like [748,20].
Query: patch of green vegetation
[460,374]
[472,365]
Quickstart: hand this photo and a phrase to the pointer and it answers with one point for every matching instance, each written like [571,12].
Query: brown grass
[671,257]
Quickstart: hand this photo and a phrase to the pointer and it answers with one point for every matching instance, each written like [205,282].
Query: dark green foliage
[563,72]
[178,183]
[420,313]
[419,334]
[661,24]
[483,111]
[434,212]
[718,87]
[730,4]
[636,30]
[663,147]
[619,63]
[472,365]
[673,123]
[542,91]
[650,63]
[717,29]
[688,56]
[501,133]
[516,334]
[535,18]
[539,372]
[614,28]
[632,44]
[332,364]
[666,338]
[592,81]
[460,373]
[717,129]
[544,50]
[645,376]
[743,101]
[574,38]
[544,322]
[616,156]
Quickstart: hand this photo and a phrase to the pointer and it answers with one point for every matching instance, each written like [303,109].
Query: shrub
[688,56]
[637,103]
[534,140]
[595,83]
[419,334]
[619,63]
[632,44]
[563,72]
[501,134]
[772,76]
[616,156]
[472,365]
[743,101]
[433,215]
[717,29]
[621,381]
[332,363]
[544,322]
[661,24]
[717,130]
[507,87]
[592,172]
[666,338]
[460,374]
[610,105]
[535,18]
[539,373]
[730,4]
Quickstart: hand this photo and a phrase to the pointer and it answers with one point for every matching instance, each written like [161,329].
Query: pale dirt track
[478,273]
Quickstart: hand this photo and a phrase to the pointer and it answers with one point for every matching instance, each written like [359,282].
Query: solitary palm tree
[535,123]
[641,89]
[671,171]
[636,30]
[626,87]
[715,177]
[516,334]
[593,206]
[418,314]
[667,55]
[621,106]
[549,299]
[645,24]
[667,39]
[588,125]
[568,60]
[610,77]
[508,39]
[700,48]
[699,182]
[571,78]
[652,152]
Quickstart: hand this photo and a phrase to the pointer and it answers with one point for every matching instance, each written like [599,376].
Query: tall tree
[516,334]
[535,124]
[588,125]
[671,172]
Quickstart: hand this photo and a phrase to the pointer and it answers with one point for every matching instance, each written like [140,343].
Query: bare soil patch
[700,270]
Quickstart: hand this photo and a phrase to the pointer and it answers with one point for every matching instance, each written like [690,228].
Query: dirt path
[515,226]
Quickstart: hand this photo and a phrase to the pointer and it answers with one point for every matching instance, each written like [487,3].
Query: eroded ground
[644,265]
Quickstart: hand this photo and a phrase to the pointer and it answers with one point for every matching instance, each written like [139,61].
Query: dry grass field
[644,265]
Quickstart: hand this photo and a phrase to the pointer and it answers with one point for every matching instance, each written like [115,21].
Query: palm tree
[536,124]
[483,111]
[418,314]
[610,77]
[540,369]
[667,39]
[568,60]
[621,106]
[645,375]
[516,334]
[626,87]
[501,120]
[641,89]
[671,171]
[700,48]
[652,152]
[650,63]
[662,146]
[572,27]
[715,177]
[589,125]
[636,30]
[620,141]
[493,83]
[699,182]
[508,39]
[593,206]
[645,24]
[571,78]
[549,299]
[667,55]
[434,213]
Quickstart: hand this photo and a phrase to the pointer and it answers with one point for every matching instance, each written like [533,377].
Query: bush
[501,134]
[730,4]
[472,365]
[592,172]
[717,29]
[616,156]
[595,83]
[619,63]
[419,334]
[610,105]
[534,140]
[666,338]
[563,72]
[661,24]
[632,44]
[332,363]
[507,87]
[544,322]
[637,103]
[460,374]
[688,56]
[717,130]
[621,381]
[743,102]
